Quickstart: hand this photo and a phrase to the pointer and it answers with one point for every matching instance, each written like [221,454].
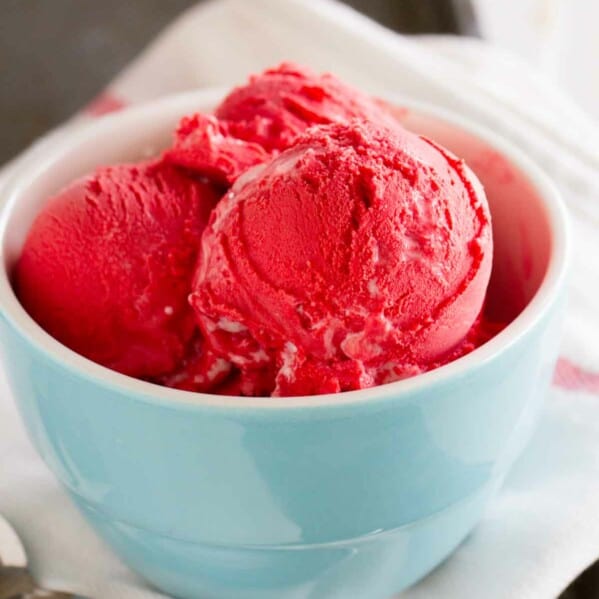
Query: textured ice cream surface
[265,116]
[278,105]
[106,267]
[200,370]
[206,145]
[359,256]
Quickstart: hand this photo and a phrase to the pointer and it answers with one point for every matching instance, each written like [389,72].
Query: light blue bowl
[352,495]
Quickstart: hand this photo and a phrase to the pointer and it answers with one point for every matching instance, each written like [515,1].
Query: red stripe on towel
[569,376]
[103,104]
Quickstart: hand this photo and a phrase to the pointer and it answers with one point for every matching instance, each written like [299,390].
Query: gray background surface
[56,55]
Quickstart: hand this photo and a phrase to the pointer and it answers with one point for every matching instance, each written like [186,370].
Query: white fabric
[557,36]
[543,529]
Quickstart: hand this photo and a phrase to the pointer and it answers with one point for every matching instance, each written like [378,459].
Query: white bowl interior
[526,213]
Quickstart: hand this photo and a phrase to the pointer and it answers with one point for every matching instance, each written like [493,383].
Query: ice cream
[265,116]
[346,252]
[199,370]
[206,145]
[359,256]
[107,265]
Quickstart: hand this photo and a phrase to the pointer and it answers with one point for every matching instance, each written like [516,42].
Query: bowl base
[375,566]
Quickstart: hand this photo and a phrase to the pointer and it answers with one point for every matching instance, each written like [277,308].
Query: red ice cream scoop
[107,265]
[359,256]
[265,116]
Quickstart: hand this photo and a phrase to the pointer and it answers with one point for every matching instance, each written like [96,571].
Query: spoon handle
[43,594]
[16,583]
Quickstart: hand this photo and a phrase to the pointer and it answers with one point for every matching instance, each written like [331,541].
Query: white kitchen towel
[543,528]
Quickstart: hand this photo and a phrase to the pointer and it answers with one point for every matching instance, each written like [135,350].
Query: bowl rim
[48,152]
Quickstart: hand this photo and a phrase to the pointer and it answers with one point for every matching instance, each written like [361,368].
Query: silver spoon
[15,580]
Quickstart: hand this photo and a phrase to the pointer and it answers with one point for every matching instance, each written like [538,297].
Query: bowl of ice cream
[358,493]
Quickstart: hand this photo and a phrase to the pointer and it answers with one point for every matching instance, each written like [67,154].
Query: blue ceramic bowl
[351,495]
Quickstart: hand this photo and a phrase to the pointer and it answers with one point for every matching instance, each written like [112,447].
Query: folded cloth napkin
[543,528]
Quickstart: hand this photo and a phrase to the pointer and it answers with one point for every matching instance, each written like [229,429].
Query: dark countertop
[55,56]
